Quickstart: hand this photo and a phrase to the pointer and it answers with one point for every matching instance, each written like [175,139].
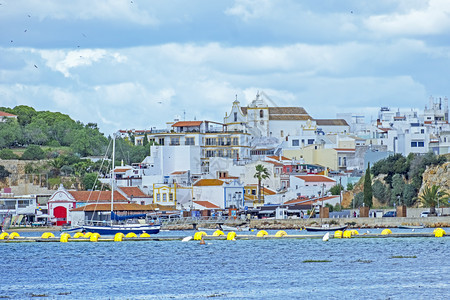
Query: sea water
[371,268]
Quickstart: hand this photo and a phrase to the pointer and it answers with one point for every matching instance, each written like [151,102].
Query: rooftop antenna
[184,115]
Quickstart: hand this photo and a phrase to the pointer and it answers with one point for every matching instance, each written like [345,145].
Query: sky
[136,64]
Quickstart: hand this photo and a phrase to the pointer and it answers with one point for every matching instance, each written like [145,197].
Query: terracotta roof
[121,170]
[288,113]
[207,204]
[278,158]
[265,191]
[133,191]
[209,182]
[275,163]
[315,178]
[5,114]
[331,122]
[187,123]
[122,207]
[97,196]
[178,173]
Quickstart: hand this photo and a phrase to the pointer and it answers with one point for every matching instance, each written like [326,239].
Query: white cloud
[432,19]
[62,61]
[106,10]
[250,9]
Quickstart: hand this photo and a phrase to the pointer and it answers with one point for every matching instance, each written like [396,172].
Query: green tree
[3,172]
[10,134]
[368,188]
[431,197]
[409,194]
[358,200]
[380,191]
[349,186]
[261,173]
[36,132]
[24,114]
[145,142]
[336,190]
[33,152]
[8,154]
[398,185]
[90,182]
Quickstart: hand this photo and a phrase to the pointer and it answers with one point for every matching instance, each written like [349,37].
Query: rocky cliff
[437,175]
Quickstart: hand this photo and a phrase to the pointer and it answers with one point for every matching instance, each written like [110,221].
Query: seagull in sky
[35,66]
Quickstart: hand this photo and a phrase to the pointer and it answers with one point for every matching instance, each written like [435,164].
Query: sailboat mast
[112,174]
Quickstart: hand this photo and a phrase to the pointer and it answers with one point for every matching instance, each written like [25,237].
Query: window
[220,141]
[164,197]
[261,113]
[210,141]
[422,130]
[340,161]
[229,141]
[235,141]
[295,143]
[310,141]
[345,161]
[420,144]
[161,141]
[158,197]
[190,141]
[209,153]
[253,192]
[281,133]
[413,144]
[175,141]
[235,117]
[171,197]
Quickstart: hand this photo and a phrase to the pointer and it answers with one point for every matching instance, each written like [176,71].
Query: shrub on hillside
[33,152]
[8,154]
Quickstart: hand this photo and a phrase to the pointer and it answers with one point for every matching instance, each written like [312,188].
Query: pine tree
[368,188]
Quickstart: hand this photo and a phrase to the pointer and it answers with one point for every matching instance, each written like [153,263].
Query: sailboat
[121,224]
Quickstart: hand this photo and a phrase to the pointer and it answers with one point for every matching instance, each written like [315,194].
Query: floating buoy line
[201,236]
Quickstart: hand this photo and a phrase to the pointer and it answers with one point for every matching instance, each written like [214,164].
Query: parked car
[390,214]
[424,214]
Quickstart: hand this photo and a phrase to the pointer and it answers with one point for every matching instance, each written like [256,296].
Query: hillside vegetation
[65,143]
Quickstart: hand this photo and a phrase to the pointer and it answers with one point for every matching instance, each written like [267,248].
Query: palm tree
[261,173]
[432,197]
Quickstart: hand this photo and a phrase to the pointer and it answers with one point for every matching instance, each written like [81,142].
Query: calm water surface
[243,269]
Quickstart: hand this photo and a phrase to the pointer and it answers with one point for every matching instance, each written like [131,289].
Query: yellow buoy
[280,233]
[355,232]
[131,235]
[439,232]
[94,237]
[261,233]
[347,234]
[218,233]
[386,231]
[87,234]
[13,235]
[47,235]
[64,238]
[3,235]
[198,235]
[144,235]
[338,234]
[231,236]
[78,235]
[118,237]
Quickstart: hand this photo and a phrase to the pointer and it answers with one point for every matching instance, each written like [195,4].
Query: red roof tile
[187,123]
[133,191]
[315,178]
[5,114]
[207,204]
[209,182]
[97,196]
[122,207]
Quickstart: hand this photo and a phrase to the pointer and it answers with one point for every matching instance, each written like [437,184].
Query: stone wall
[439,175]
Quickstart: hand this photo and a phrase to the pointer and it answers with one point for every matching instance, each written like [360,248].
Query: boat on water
[325,227]
[137,223]
[235,228]
[411,227]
